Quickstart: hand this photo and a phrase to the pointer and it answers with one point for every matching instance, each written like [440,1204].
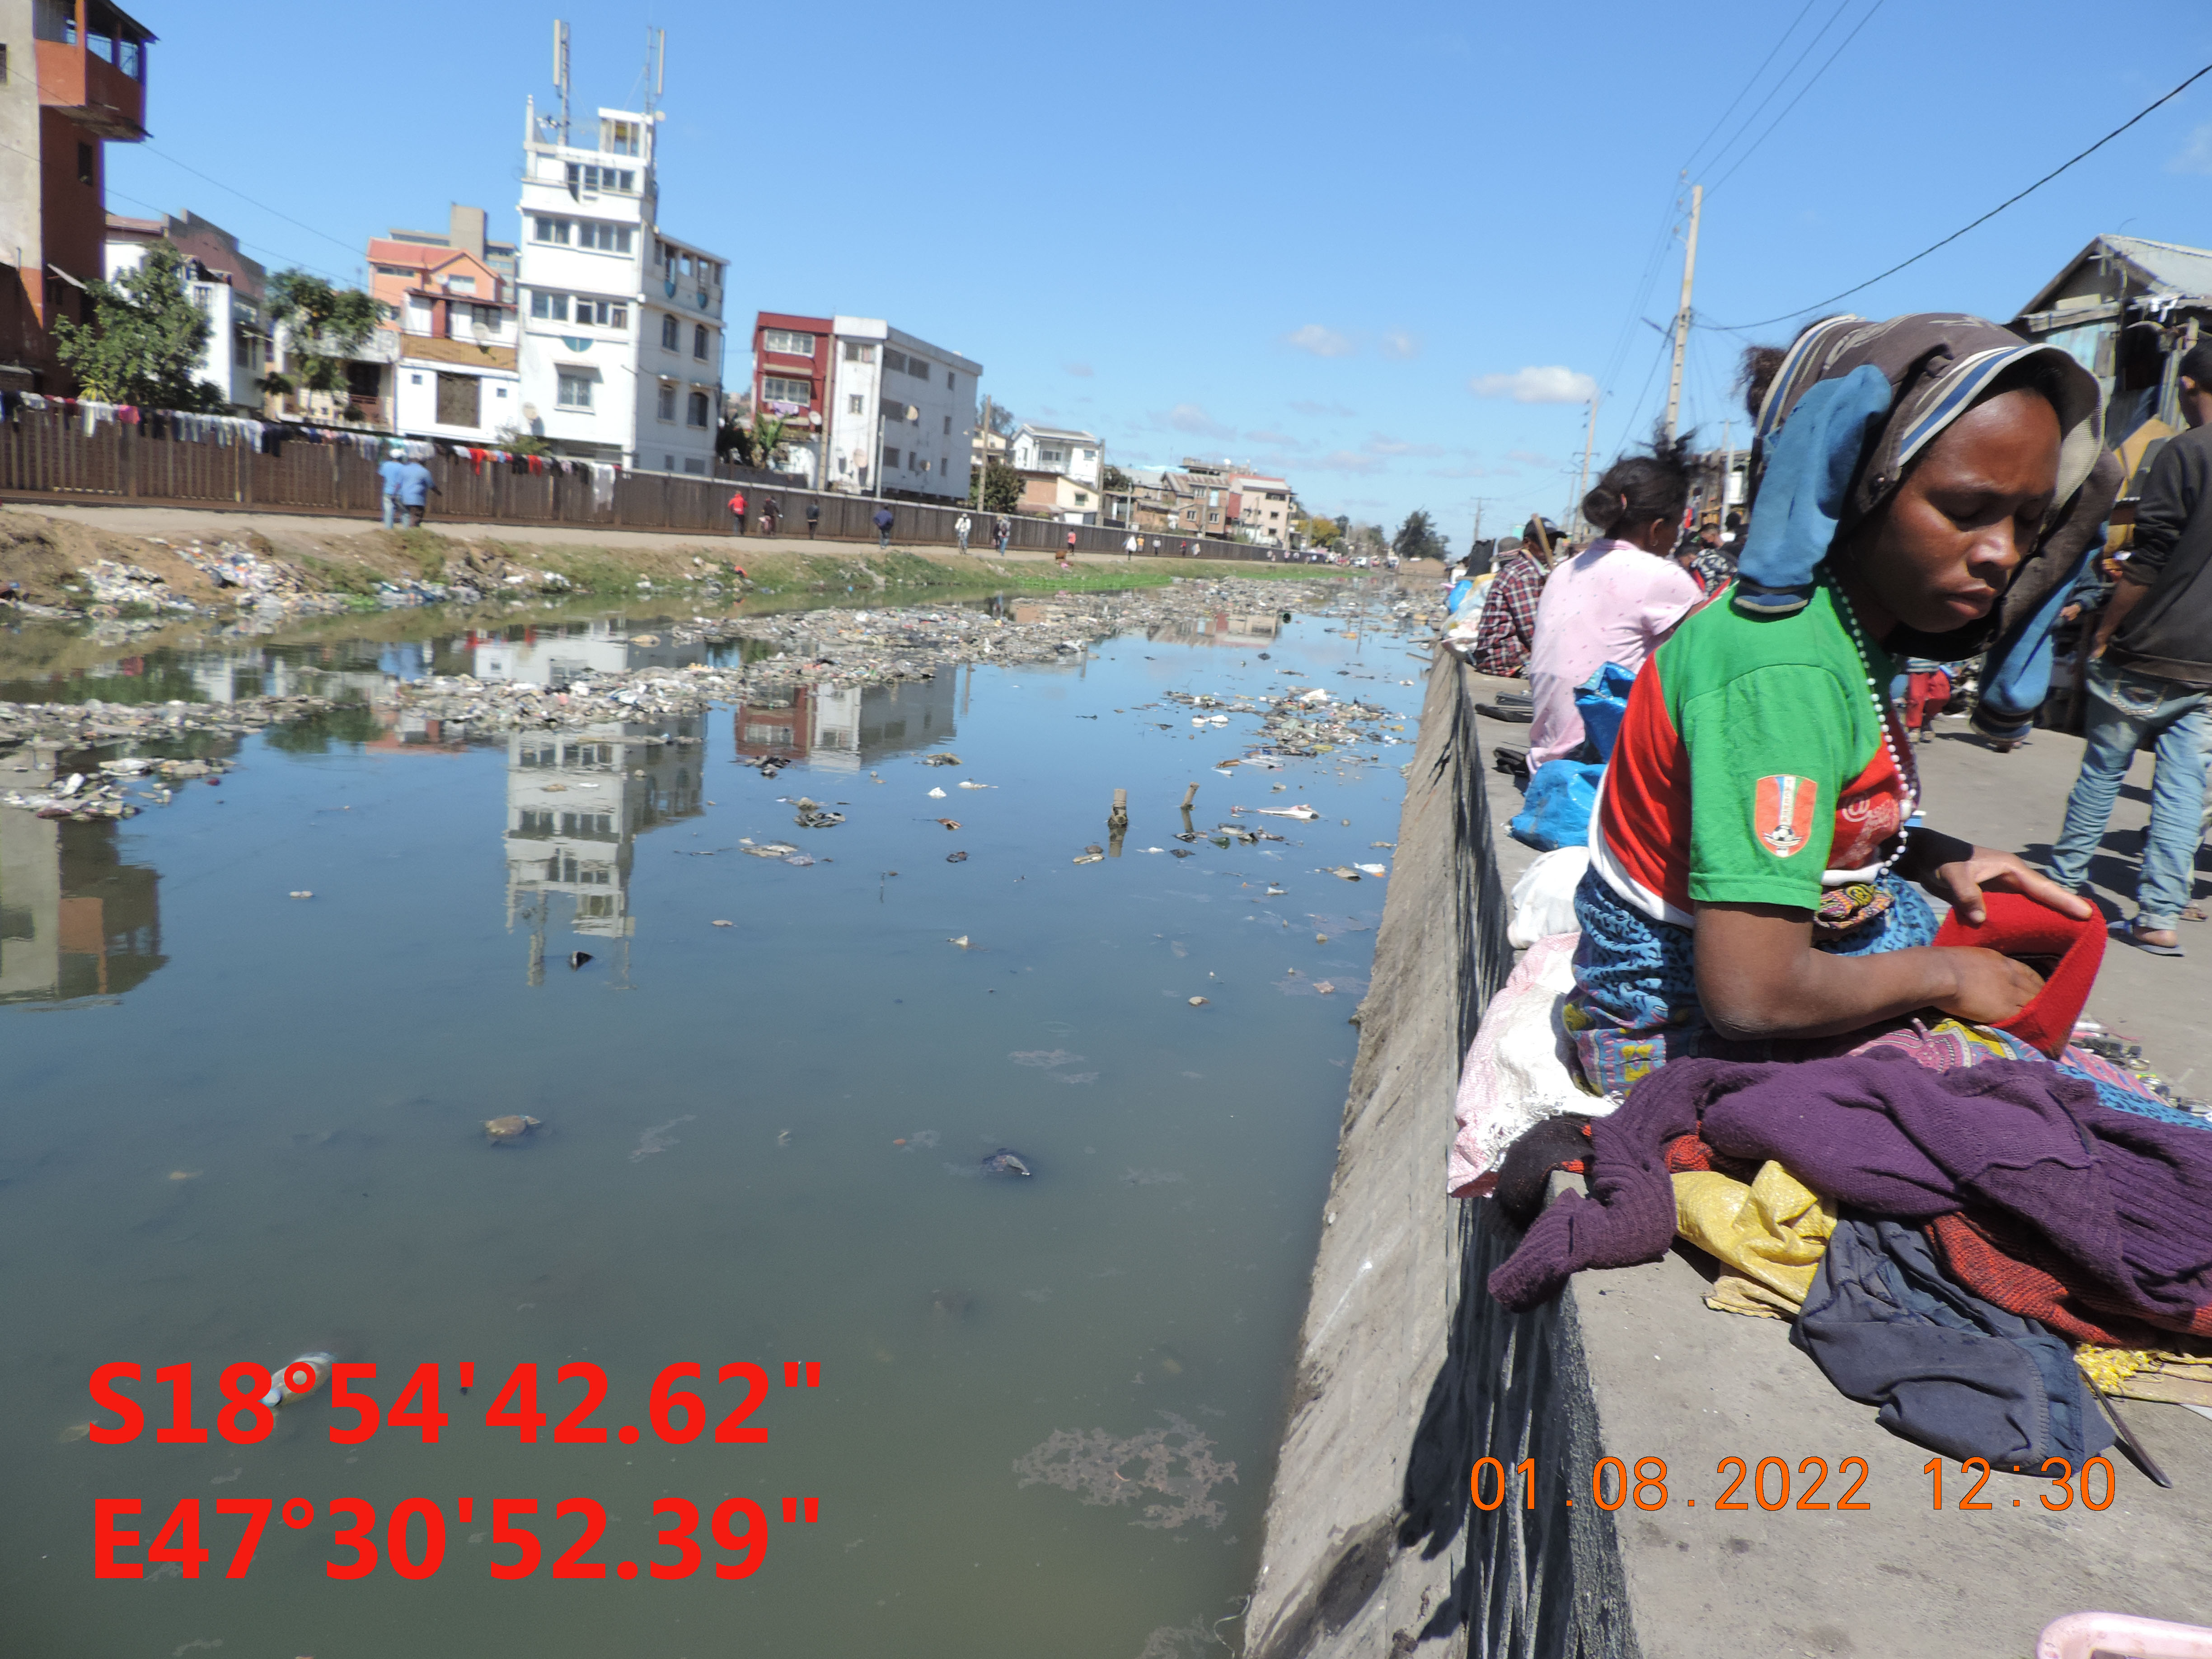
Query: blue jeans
[2123,707]
[390,502]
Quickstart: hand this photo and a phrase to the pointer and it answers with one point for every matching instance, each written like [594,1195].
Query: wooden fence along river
[48,456]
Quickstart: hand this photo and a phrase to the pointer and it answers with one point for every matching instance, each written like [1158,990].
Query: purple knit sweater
[2125,1200]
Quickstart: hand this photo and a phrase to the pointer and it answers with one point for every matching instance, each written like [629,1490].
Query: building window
[620,180]
[602,314]
[919,369]
[85,164]
[459,400]
[552,306]
[1051,457]
[667,402]
[608,239]
[699,341]
[859,351]
[948,426]
[701,405]
[949,385]
[790,344]
[852,403]
[552,231]
[621,137]
[460,284]
[3,63]
[891,458]
[776,389]
[697,468]
[574,389]
[1082,499]
[669,334]
[894,359]
[1089,454]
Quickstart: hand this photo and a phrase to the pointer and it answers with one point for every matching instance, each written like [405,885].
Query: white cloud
[1396,342]
[2196,156]
[1278,439]
[1321,342]
[1551,385]
[1306,407]
[1378,444]
[1344,460]
[1191,417]
[1081,371]
[1530,458]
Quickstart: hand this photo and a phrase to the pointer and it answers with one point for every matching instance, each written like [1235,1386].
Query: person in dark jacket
[813,519]
[883,526]
[2150,674]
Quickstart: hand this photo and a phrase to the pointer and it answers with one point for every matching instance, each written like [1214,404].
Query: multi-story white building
[1063,472]
[621,350]
[222,281]
[901,412]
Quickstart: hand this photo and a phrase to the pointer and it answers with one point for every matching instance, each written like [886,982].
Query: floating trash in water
[298,1379]
[956,857]
[818,819]
[657,1139]
[501,1130]
[577,959]
[1046,1057]
[950,823]
[1343,872]
[1089,1462]
[717,922]
[1197,1002]
[1303,814]
[798,858]
[941,759]
[1372,869]
[937,794]
[774,849]
[968,783]
[1324,987]
[1004,1161]
[962,942]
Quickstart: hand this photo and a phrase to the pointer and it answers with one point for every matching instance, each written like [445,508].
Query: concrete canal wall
[1408,1372]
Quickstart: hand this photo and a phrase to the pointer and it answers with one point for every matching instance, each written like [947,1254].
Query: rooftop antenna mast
[560,72]
[656,68]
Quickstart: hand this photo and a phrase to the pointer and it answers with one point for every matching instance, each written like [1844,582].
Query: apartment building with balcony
[620,325]
[72,81]
[1063,472]
[898,413]
[447,307]
[222,281]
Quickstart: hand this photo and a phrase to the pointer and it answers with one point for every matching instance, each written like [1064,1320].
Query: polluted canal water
[994,1138]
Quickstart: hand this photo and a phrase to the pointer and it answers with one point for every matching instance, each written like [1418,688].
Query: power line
[1772,91]
[348,247]
[1799,99]
[1744,92]
[1821,305]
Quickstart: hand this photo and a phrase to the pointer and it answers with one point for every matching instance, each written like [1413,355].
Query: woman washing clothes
[1615,599]
[1751,853]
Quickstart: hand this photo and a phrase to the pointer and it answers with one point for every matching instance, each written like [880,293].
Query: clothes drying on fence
[603,483]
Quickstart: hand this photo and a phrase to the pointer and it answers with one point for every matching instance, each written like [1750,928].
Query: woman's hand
[1990,988]
[1961,881]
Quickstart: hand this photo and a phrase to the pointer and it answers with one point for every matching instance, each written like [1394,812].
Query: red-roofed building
[448,310]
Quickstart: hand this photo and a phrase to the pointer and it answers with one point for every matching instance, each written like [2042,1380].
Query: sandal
[2125,932]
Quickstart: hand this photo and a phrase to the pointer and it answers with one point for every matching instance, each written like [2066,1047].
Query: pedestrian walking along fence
[47,455]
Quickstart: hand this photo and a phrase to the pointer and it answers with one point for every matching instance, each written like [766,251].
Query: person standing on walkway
[1507,628]
[738,509]
[389,472]
[1069,551]
[813,519]
[414,489]
[1002,532]
[771,512]
[1129,549]
[883,526]
[2149,675]
[961,526]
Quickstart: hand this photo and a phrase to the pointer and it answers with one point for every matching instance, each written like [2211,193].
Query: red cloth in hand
[2019,926]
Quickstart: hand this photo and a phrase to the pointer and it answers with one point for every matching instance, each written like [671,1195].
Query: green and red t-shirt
[1750,767]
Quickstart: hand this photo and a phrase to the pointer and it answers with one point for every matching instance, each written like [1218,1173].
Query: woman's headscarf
[1853,404]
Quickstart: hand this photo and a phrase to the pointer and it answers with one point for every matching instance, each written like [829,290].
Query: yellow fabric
[2147,1373]
[1772,1232]
[1733,1293]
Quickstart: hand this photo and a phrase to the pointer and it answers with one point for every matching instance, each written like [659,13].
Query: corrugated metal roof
[2168,265]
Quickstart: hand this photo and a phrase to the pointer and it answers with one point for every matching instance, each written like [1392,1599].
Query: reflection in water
[576,802]
[75,920]
[557,654]
[844,728]
[1221,627]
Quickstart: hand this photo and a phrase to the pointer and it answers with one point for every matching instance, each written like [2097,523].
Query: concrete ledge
[1408,1372]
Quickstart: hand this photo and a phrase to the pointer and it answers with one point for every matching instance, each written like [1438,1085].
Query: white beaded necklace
[1906,766]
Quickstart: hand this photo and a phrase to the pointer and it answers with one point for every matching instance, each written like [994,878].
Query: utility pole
[983,479]
[560,72]
[1589,443]
[1682,316]
[1728,467]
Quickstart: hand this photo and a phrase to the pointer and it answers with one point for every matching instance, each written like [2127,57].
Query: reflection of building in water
[557,654]
[844,728]
[576,802]
[1219,628]
[75,922]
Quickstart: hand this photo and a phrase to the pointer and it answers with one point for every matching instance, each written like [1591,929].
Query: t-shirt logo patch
[1782,814]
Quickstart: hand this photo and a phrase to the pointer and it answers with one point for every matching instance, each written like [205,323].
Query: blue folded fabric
[1802,489]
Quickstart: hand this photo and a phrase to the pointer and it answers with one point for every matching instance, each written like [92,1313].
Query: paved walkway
[2016,801]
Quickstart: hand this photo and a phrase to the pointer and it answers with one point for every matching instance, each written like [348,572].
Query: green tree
[145,339]
[1417,538]
[997,488]
[324,327]
[1323,532]
[1118,482]
[759,445]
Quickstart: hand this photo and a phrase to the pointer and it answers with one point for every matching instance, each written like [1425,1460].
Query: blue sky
[1385,251]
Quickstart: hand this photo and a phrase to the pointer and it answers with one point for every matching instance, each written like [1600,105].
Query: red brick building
[790,369]
[88,60]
